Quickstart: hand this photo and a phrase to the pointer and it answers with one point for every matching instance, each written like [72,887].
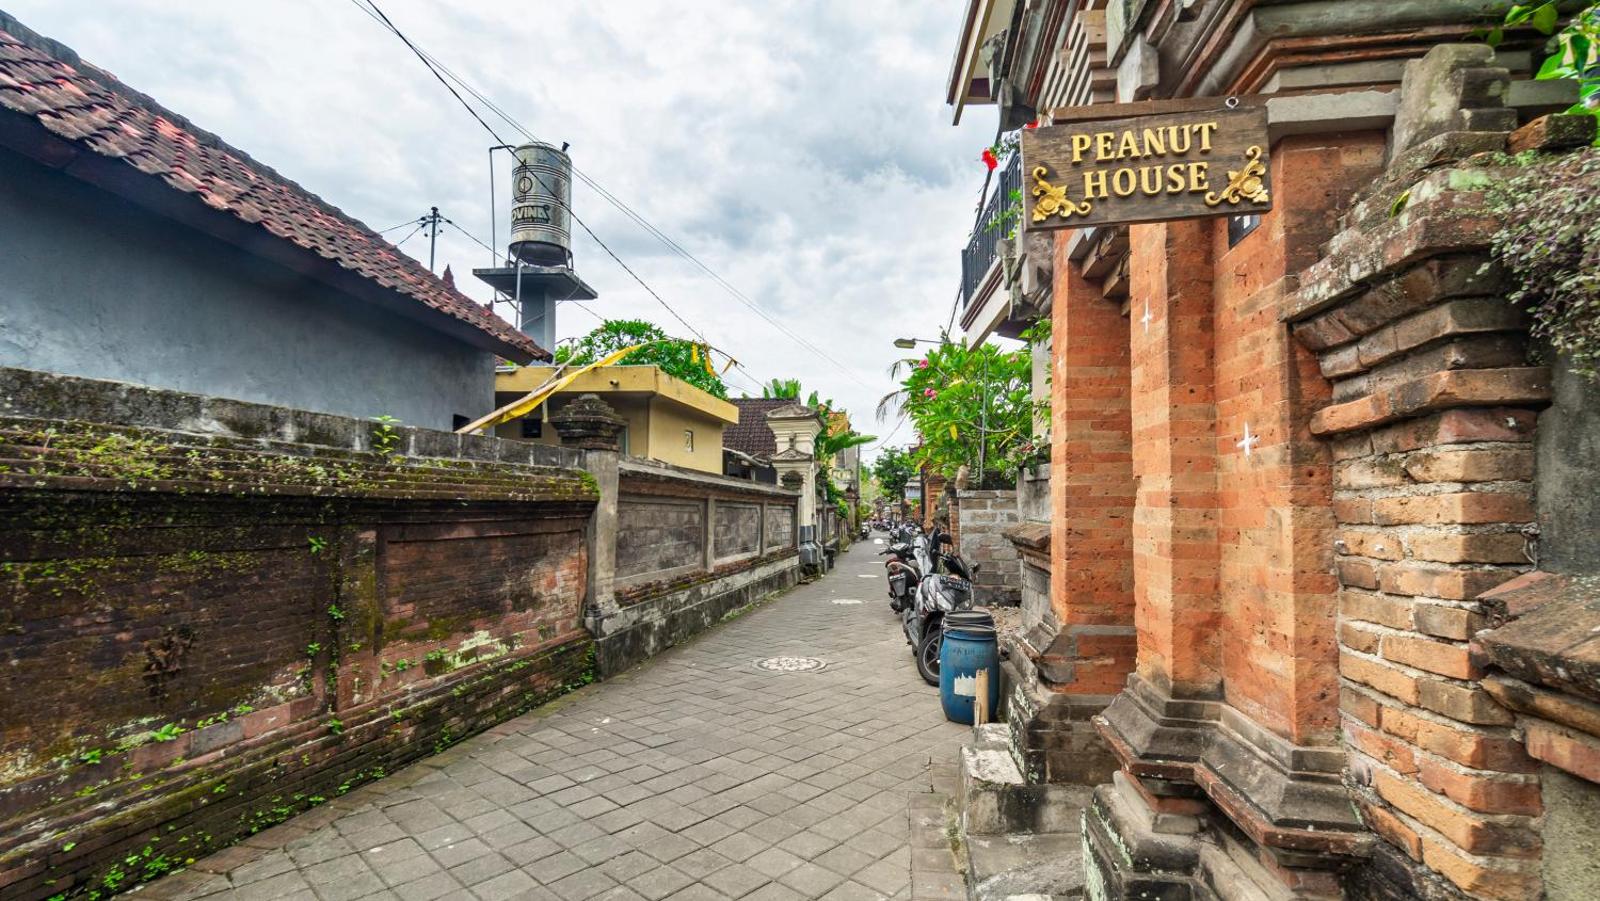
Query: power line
[401,225]
[474,113]
[426,60]
[413,234]
[437,67]
[739,367]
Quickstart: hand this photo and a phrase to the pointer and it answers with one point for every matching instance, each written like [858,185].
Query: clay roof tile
[91,108]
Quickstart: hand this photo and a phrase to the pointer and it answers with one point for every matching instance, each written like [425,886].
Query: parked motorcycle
[945,587]
[904,574]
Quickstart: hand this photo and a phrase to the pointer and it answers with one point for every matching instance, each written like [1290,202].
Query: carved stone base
[1125,857]
[1268,808]
[1053,738]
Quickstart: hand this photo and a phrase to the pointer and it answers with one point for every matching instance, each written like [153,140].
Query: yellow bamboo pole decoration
[531,401]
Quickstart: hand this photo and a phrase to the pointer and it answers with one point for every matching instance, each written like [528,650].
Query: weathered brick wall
[202,634]
[739,531]
[658,535]
[661,524]
[983,517]
[678,581]
[1430,426]
[779,527]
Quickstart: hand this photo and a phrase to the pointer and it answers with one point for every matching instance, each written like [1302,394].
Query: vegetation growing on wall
[1549,242]
[1573,51]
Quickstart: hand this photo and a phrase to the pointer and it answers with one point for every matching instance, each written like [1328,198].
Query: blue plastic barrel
[969,647]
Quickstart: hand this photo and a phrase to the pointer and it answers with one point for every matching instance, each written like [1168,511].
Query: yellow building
[668,419]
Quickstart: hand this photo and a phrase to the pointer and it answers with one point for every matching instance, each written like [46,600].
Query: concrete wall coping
[29,393]
[655,469]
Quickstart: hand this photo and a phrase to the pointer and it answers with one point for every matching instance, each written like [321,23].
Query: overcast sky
[800,148]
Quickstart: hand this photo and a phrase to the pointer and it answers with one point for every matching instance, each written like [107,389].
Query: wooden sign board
[1152,168]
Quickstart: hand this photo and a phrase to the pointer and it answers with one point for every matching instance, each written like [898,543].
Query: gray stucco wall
[1568,480]
[91,285]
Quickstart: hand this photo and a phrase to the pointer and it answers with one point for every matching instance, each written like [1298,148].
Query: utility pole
[983,419]
[432,221]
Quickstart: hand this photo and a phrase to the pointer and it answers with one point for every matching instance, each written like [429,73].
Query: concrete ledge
[28,393]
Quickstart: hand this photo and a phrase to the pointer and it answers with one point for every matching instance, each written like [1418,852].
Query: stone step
[995,799]
[1023,867]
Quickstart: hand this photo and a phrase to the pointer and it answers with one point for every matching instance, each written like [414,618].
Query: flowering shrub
[969,404]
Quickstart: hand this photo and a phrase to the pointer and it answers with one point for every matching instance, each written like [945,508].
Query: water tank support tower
[538,273]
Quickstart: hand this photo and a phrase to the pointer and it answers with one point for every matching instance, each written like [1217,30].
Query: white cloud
[801,148]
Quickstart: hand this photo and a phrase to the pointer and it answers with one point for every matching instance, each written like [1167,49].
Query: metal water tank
[541,189]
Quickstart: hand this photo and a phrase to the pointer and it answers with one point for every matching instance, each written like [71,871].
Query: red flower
[922,364]
[1031,125]
[989,159]
[929,392]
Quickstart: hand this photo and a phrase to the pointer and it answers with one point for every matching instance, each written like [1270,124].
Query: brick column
[1430,423]
[1063,679]
[590,424]
[1232,713]
[1175,461]
[1091,486]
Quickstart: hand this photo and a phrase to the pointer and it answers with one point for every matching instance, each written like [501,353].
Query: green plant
[335,613]
[1573,51]
[782,389]
[972,406]
[1009,216]
[317,544]
[677,357]
[169,732]
[791,389]
[1549,241]
[385,437]
[336,726]
[894,470]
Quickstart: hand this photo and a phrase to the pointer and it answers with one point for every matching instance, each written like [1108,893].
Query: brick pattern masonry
[1430,426]
[203,636]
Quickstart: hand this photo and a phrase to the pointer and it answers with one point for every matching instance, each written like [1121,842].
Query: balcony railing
[984,246]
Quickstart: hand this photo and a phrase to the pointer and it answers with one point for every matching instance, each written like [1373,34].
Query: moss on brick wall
[204,635]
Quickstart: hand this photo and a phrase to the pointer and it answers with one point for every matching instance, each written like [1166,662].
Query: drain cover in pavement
[791,664]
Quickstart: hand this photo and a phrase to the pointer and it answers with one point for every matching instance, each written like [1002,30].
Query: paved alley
[698,775]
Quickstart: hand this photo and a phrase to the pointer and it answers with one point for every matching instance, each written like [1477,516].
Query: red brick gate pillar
[1232,714]
[1175,461]
[1091,569]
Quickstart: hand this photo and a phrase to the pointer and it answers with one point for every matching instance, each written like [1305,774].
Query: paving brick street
[696,776]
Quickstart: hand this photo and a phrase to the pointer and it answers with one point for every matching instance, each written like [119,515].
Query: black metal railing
[990,229]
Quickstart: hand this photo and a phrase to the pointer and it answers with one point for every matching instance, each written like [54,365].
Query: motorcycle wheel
[928,655]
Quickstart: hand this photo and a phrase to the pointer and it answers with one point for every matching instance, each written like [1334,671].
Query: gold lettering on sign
[1094,185]
[1080,146]
[1245,184]
[1053,201]
[1150,168]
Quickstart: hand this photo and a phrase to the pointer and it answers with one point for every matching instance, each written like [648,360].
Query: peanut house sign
[1150,168]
